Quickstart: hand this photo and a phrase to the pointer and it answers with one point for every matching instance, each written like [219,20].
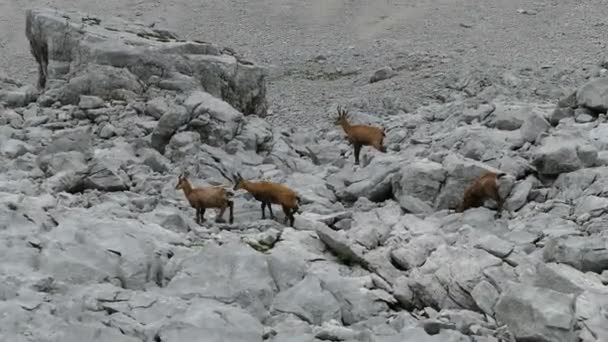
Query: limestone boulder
[79,54]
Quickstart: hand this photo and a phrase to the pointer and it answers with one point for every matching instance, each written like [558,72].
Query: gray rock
[331,331]
[583,118]
[10,117]
[579,252]
[560,113]
[495,245]
[454,271]
[599,135]
[382,74]
[115,56]
[156,161]
[370,229]
[357,298]
[590,308]
[533,126]
[403,293]
[340,246]
[308,300]
[512,116]
[519,195]
[216,321]
[167,126]
[592,206]
[373,181]
[13,148]
[536,313]
[485,296]
[157,107]
[558,155]
[256,133]
[90,332]
[18,96]
[215,120]
[232,273]
[311,188]
[415,253]
[558,277]
[416,185]
[479,113]
[594,95]
[568,101]
[107,131]
[90,102]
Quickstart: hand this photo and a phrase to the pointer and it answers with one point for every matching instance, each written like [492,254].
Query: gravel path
[321,52]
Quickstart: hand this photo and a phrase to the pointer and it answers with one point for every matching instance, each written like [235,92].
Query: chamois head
[342,116]
[239,181]
[182,181]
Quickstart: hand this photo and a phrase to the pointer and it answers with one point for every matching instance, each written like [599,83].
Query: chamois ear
[342,113]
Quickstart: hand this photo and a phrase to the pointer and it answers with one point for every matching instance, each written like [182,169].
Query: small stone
[495,246]
[560,113]
[90,102]
[583,118]
[107,131]
[382,74]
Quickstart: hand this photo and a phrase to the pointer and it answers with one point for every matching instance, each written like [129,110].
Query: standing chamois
[483,188]
[269,193]
[360,135]
[207,197]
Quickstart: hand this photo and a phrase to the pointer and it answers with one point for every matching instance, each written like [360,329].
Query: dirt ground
[323,51]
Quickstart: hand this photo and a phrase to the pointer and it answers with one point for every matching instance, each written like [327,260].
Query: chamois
[269,193]
[483,188]
[206,197]
[360,135]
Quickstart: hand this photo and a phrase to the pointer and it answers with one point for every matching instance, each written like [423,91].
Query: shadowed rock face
[78,54]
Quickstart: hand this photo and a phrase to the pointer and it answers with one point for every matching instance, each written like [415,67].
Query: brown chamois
[205,198]
[270,193]
[483,188]
[360,135]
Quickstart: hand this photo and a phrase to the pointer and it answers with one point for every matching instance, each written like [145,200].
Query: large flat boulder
[112,58]
[594,95]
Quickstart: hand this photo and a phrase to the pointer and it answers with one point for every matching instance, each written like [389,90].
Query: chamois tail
[299,202]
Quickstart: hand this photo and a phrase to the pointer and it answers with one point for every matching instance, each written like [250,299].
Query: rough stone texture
[594,95]
[558,155]
[533,313]
[97,244]
[579,252]
[417,184]
[132,57]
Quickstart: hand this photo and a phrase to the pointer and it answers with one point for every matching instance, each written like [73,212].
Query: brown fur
[271,193]
[205,198]
[360,135]
[483,188]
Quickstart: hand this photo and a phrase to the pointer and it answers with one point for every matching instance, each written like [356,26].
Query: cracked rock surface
[97,244]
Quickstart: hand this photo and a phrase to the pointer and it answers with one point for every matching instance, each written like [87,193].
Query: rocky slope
[97,244]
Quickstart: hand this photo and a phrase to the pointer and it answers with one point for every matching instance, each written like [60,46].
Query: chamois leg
[499,202]
[231,210]
[197,215]
[270,209]
[202,211]
[220,216]
[263,210]
[357,152]
[286,211]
